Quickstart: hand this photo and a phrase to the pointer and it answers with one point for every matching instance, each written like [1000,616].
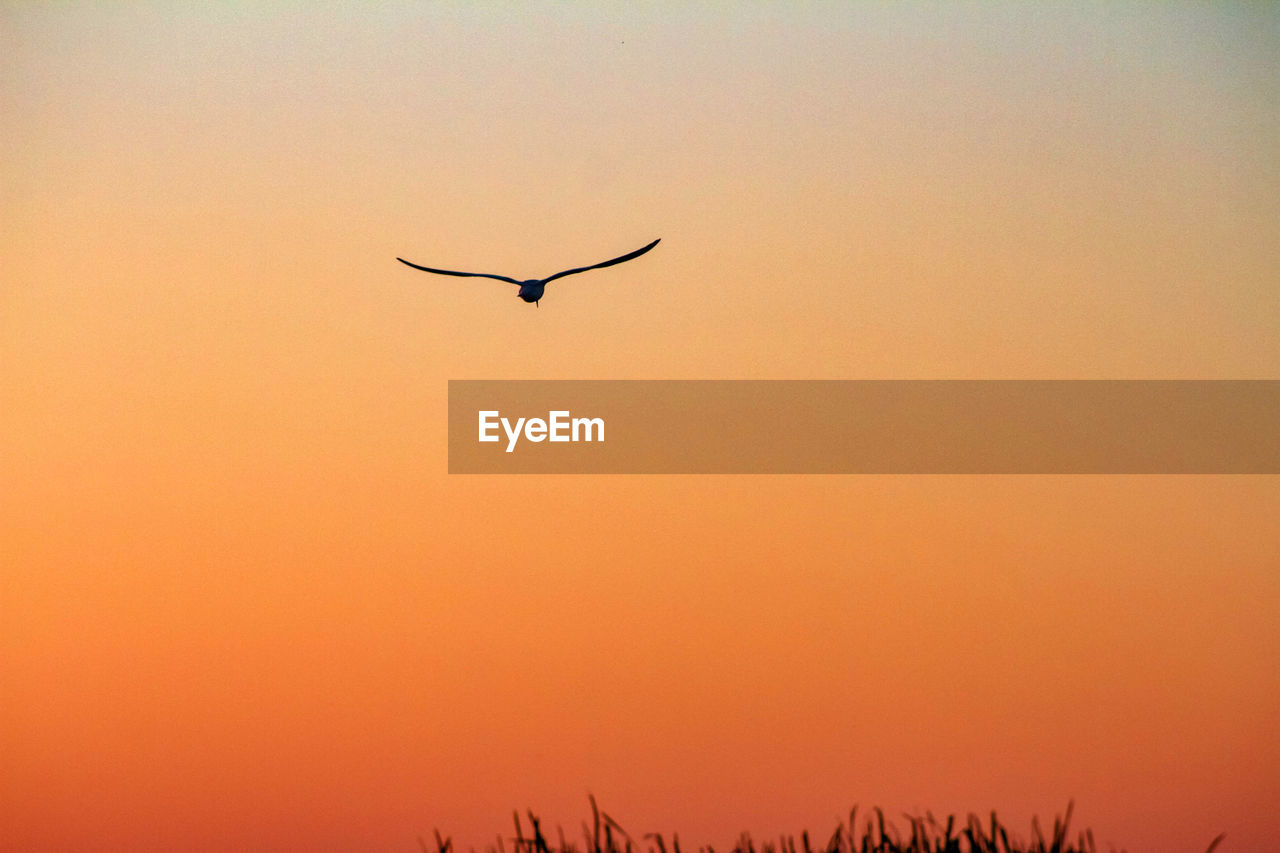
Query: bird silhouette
[531,290]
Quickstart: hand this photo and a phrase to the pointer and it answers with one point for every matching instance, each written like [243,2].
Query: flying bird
[531,290]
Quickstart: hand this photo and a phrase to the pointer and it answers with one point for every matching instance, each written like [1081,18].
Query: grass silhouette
[878,835]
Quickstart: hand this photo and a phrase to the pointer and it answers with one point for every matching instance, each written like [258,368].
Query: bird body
[532,289]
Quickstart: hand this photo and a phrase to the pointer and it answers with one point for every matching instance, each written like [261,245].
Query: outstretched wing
[451,272]
[637,253]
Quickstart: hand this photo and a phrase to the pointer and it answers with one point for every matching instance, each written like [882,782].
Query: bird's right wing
[628,256]
[451,272]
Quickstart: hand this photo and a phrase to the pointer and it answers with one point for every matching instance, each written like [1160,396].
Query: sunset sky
[243,607]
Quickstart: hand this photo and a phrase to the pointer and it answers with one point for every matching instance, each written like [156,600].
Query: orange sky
[243,607]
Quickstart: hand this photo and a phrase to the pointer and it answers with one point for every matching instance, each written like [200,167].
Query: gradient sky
[243,607]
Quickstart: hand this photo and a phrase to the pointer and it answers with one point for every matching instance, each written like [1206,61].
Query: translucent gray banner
[864,427]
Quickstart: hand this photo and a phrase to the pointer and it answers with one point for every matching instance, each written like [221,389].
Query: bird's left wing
[637,253]
[451,272]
